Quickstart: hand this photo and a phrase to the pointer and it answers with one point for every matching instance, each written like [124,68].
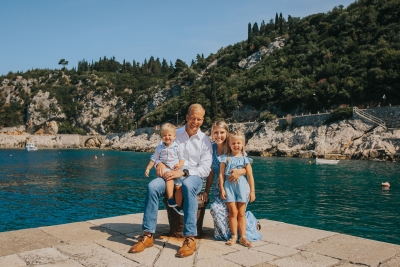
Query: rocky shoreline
[347,139]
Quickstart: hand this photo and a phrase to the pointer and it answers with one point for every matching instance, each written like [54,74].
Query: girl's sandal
[245,242]
[232,240]
[258,226]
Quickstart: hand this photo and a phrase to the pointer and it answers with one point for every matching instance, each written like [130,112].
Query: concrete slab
[394,262]
[167,257]
[277,250]
[292,235]
[91,254]
[67,263]
[78,232]
[121,245]
[354,249]
[12,261]
[121,224]
[249,257]
[42,256]
[212,249]
[266,223]
[347,264]
[215,262]
[24,240]
[105,242]
[306,259]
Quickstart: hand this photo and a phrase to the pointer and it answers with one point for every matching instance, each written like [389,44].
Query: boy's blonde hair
[237,133]
[223,125]
[167,127]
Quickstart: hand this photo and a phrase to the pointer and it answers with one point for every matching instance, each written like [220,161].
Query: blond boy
[171,154]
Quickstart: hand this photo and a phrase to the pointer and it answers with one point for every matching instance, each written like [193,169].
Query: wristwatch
[185,173]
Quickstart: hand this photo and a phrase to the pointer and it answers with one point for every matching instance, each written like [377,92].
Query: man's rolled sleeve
[204,167]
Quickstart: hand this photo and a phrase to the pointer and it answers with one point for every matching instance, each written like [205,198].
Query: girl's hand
[222,193]
[252,196]
[204,196]
[147,173]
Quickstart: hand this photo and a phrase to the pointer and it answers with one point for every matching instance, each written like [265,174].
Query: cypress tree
[276,21]
[280,24]
[249,34]
[255,29]
[214,103]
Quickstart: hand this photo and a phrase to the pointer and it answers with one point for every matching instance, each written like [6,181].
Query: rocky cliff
[349,139]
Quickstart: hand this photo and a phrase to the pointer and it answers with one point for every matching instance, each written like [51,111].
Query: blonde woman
[219,210]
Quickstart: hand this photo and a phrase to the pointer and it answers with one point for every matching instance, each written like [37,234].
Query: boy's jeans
[191,187]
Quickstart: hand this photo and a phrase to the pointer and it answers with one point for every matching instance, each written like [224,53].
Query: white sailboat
[326,161]
[30,147]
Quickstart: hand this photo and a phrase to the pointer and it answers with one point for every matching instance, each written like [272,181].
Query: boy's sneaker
[179,210]
[171,202]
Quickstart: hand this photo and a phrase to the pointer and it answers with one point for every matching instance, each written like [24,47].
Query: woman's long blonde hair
[223,125]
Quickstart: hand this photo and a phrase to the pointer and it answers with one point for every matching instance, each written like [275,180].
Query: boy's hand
[222,193]
[252,196]
[176,167]
[147,173]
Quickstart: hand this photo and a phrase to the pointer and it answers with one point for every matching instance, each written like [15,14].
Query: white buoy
[385,186]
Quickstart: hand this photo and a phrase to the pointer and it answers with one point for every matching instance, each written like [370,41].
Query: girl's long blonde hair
[223,125]
[236,133]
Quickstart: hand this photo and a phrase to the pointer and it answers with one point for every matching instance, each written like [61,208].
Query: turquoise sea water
[50,187]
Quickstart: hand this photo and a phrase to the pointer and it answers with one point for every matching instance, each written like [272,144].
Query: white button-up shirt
[197,151]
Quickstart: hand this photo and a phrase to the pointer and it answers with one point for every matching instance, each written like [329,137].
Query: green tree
[63,62]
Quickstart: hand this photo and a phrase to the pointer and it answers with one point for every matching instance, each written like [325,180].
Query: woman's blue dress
[220,213]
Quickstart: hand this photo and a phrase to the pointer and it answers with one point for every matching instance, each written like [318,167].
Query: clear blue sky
[37,34]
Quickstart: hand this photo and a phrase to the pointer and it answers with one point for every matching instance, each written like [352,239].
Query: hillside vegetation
[345,57]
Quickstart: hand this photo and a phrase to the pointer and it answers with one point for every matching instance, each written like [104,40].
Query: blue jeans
[191,187]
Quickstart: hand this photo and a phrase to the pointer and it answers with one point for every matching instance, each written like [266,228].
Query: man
[198,157]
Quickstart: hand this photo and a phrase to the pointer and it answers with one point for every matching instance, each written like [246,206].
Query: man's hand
[172,175]
[234,175]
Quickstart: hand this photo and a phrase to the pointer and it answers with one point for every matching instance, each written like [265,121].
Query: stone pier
[105,242]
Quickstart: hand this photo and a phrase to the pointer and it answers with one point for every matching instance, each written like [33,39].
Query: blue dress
[235,192]
[220,213]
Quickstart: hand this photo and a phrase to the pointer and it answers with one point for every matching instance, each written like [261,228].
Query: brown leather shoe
[145,242]
[188,248]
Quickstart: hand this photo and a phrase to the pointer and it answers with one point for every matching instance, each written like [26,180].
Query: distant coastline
[347,139]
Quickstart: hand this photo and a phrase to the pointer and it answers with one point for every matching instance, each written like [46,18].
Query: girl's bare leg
[169,189]
[242,224]
[233,223]
[178,195]
[241,217]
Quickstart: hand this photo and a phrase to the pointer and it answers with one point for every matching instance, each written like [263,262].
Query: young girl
[236,194]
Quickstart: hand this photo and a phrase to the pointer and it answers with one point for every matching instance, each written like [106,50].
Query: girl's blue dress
[219,210]
[235,192]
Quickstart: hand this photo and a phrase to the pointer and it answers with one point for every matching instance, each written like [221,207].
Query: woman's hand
[234,175]
[222,193]
[252,196]
[204,196]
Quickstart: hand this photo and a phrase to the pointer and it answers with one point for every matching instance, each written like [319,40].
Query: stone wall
[306,120]
[389,114]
